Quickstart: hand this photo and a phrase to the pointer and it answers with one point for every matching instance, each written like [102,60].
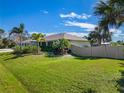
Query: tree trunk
[99,42]
[37,47]
[20,41]
[106,51]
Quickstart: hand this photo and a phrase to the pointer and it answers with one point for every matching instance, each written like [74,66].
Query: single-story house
[29,42]
[74,40]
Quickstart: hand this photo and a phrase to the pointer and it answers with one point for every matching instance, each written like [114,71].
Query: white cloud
[33,32]
[80,34]
[74,15]
[87,26]
[44,11]
[116,32]
[63,8]
[47,34]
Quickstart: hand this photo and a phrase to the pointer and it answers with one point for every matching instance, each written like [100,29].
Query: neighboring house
[106,44]
[29,42]
[74,40]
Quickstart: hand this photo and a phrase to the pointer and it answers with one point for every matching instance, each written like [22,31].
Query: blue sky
[51,16]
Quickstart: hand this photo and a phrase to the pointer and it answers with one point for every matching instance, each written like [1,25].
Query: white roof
[28,41]
[64,36]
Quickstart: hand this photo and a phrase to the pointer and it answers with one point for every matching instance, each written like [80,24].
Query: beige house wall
[102,51]
[80,43]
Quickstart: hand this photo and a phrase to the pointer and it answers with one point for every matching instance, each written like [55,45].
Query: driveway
[6,50]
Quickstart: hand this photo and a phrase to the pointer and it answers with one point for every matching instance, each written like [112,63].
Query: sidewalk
[6,50]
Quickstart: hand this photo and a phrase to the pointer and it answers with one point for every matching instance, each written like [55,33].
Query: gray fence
[116,52]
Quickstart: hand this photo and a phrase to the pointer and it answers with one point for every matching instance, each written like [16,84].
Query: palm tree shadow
[87,58]
[14,57]
[120,82]
[84,57]
[51,55]
[121,64]
[89,91]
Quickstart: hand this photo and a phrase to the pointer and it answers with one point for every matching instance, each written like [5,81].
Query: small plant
[17,50]
[38,37]
[90,91]
[47,48]
[61,46]
[25,49]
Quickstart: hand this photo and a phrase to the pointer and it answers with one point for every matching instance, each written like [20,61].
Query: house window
[43,44]
[50,43]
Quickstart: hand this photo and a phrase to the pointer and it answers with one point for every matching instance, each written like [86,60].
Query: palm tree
[6,42]
[99,35]
[95,37]
[1,35]
[111,13]
[38,37]
[119,10]
[1,32]
[19,31]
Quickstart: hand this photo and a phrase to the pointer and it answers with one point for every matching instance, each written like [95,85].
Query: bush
[25,49]
[6,43]
[17,49]
[61,46]
[47,48]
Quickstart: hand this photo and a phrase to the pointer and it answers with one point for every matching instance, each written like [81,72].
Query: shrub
[47,48]
[25,49]
[17,49]
[6,43]
[61,46]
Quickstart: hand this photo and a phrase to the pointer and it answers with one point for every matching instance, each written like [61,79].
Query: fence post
[106,51]
[91,52]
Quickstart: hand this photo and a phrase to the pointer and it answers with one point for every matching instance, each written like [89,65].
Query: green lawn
[9,83]
[41,74]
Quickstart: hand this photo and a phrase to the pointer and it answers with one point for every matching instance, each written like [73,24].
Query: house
[74,40]
[29,42]
[106,44]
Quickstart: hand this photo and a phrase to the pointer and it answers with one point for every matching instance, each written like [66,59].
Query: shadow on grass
[120,82]
[121,64]
[15,56]
[92,58]
[89,91]
[85,58]
[51,55]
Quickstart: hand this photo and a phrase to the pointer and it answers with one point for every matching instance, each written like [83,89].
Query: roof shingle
[64,36]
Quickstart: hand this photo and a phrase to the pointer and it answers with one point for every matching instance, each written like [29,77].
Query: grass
[43,74]
[9,83]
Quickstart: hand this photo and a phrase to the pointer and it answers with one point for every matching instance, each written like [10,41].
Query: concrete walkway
[6,50]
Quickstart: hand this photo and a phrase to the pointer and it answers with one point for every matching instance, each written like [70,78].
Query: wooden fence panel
[116,52]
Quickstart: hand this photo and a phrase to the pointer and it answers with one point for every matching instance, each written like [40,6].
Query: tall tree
[98,36]
[19,32]
[95,37]
[1,36]
[39,37]
[111,14]
[1,33]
